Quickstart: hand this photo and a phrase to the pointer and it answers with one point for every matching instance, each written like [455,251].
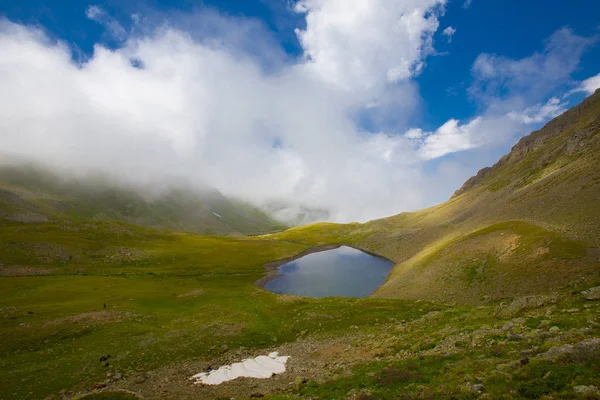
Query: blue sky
[511,28]
[405,99]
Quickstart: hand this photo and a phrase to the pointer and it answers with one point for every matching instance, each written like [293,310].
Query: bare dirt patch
[193,293]
[49,253]
[17,270]
[27,218]
[125,254]
[539,252]
[311,359]
[225,329]
[289,298]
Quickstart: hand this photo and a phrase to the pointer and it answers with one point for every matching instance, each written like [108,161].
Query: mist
[223,106]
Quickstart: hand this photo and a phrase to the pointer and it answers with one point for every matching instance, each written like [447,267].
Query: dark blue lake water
[344,271]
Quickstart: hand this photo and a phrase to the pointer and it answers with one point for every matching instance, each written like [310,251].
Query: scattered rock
[558,352]
[118,376]
[573,310]
[524,303]
[592,293]
[508,326]
[140,378]
[478,388]
[358,394]
[17,270]
[193,293]
[544,323]
[585,350]
[99,385]
[508,366]
[28,218]
[590,390]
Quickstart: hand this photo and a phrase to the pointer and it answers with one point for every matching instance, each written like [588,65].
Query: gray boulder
[588,349]
[592,293]
[583,390]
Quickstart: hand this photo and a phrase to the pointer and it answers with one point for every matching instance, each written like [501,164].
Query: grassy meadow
[177,302]
[169,297]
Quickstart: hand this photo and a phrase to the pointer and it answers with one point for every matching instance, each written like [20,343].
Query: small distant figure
[104,305]
[209,369]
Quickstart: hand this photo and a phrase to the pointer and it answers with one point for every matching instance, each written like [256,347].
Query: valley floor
[106,310]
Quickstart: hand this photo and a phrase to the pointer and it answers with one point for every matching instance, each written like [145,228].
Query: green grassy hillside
[166,305]
[30,194]
[529,224]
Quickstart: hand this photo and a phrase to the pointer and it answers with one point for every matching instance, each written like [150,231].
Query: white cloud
[201,111]
[216,101]
[514,94]
[94,13]
[589,85]
[467,3]
[113,27]
[480,133]
[510,91]
[448,138]
[449,32]
[530,79]
[363,45]
[414,133]
[539,112]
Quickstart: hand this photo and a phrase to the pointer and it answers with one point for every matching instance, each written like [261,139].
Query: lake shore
[272,268]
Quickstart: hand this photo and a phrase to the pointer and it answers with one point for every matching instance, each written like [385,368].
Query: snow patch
[261,367]
[217,215]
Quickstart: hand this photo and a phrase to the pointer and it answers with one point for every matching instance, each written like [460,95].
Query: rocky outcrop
[588,349]
[537,139]
[592,293]
[524,303]
[473,181]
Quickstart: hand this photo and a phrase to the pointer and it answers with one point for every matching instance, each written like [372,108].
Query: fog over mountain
[214,100]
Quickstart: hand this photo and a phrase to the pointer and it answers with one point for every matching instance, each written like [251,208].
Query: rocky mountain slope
[29,193]
[528,224]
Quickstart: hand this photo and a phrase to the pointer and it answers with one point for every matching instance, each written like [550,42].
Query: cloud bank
[223,105]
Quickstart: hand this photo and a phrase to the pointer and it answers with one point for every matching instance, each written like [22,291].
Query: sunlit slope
[528,224]
[30,194]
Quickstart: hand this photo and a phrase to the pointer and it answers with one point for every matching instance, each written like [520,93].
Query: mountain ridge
[532,141]
[30,193]
[544,194]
